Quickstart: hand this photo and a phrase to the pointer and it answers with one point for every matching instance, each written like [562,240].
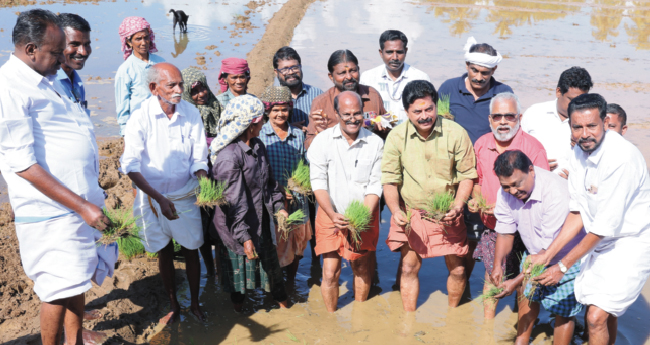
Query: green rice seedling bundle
[210,193]
[482,203]
[122,226]
[438,205]
[285,223]
[358,216]
[535,271]
[130,247]
[490,293]
[408,215]
[300,179]
[443,107]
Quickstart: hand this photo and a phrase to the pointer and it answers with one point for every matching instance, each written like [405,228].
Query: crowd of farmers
[554,201]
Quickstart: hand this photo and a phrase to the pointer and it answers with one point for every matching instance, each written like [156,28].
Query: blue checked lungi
[558,299]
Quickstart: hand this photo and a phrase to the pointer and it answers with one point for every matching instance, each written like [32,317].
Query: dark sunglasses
[509,117]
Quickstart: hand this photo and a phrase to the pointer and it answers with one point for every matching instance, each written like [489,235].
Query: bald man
[164,154]
[345,163]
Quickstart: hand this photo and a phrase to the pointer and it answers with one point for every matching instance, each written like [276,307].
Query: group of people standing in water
[556,186]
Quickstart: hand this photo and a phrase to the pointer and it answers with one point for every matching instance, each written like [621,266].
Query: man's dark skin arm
[45,183]
[503,247]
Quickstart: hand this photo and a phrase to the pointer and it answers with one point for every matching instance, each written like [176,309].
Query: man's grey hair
[153,75]
[336,100]
[506,96]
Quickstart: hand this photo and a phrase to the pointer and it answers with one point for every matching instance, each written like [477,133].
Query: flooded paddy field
[538,39]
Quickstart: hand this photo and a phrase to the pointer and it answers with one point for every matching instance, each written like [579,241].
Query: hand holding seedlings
[400,219]
[285,223]
[122,226]
[443,107]
[210,193]
[550,277]
[167,208]
[300,180]
[438,207]
[249,250]
[359,217]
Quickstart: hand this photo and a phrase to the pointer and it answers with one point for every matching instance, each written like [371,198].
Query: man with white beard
[164,154]
[505,120]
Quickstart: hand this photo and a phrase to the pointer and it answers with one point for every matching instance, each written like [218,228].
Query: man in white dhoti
[49,157]
[610,195]
[164,154]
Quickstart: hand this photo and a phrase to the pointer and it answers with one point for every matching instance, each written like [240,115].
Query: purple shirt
[540,219]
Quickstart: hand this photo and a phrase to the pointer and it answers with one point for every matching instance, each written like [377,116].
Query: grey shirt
[250,186]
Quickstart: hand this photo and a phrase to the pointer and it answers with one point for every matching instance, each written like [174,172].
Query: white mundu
[167,152]
[542,121]
[611,190]
[38,126]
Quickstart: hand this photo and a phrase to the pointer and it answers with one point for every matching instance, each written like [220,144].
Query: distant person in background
[391,77]
[343,69]
[288,70]
[234,76]
[196,91]
[77,50]
[548,122]
[138,45]
[616,119]
[285,147]
[49,158]
[470,94]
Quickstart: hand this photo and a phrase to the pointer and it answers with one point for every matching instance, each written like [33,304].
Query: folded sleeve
[228,169]
[16,131]
[505,222]
[318,163]
[391,163]
[374,183]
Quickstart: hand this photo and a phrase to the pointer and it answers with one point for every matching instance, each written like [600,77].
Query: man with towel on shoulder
[164,154]
[610,196]
[49,157]
[345,163]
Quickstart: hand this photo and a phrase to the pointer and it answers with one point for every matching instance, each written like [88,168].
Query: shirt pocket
[362,171]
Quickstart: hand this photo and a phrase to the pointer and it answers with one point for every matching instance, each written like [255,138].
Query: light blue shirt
[131,86]
[74,88]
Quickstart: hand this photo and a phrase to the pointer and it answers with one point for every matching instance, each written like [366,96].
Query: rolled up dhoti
[328,240]
[430,239]
[157,230]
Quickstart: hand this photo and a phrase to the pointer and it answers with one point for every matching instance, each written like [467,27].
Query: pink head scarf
[231,66]
[131,26]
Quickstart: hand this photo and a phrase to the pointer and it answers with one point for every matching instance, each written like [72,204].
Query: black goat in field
[181,18]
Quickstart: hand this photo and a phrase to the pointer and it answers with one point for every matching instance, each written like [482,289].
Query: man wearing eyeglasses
[77,50]
[505,119]
[390,78]
[288,70]
[345,162]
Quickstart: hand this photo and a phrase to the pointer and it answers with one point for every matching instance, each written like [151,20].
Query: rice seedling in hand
[407,215]
[285,224]
[358,216]
[482,203]
[122,226]
[300,179]
[443,107]
[438,205]
[490,293]
[210,193]
[535,271]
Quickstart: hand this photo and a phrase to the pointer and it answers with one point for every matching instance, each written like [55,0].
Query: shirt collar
[338,133]
[27,72]
[268,130]
[384,73]
[595,156]
[243,145]
[536,194]
[437,127]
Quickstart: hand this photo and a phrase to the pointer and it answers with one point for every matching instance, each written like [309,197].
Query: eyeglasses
[348,117]
[291,69]
[509,117]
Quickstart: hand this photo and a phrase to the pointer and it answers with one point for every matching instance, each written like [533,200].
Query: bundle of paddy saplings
[491,291]
[285,224]
[481,203]
[210,193]
[437,206]
[122,226]
[535,271]
[443,107]
[358,216]
[300,179]
[407,215]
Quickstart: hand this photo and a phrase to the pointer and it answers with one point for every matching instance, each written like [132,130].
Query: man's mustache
[582,141]
[396,62]
[425,121]
[353,122]
[295,75]
[479,81]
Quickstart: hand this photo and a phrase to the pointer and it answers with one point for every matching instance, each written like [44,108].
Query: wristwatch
[563,268]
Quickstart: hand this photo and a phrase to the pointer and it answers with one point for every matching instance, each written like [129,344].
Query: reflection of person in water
[180,45]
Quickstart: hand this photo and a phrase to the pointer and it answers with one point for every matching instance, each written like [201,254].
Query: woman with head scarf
[234,76]
[285,146]
[197,92]
[249,259]
[138,45]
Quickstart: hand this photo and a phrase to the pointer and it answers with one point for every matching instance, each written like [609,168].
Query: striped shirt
[302,104]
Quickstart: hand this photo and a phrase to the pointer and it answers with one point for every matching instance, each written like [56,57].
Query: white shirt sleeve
[574,185]
[200,149]
[16,131]
[134,144]
[318,162]
[374,182]
[505,222]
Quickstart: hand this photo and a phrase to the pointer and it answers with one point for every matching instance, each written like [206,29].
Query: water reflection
[180,45]
[606,20]
[460,18]
[517,13]
[639,33]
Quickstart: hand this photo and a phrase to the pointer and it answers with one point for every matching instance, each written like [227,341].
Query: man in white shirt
[49,157]
[164,154]
[391,77]
[345,163]
[548,122]
[610,195]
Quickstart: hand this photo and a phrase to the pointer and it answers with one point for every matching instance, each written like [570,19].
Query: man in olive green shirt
[422,157]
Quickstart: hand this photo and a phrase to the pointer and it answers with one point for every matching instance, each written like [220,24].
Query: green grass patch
[285,224]
[300,179]
[358,216]
[443,107]
[210,193]
[437,205]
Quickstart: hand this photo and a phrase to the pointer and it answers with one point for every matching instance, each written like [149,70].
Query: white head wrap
[480,59]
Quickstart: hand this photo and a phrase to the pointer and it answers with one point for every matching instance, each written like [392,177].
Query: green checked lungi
[558,299]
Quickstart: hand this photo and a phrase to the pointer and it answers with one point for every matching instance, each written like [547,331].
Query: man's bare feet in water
[196,310]
[284,304]
[93,314]
[92,338]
